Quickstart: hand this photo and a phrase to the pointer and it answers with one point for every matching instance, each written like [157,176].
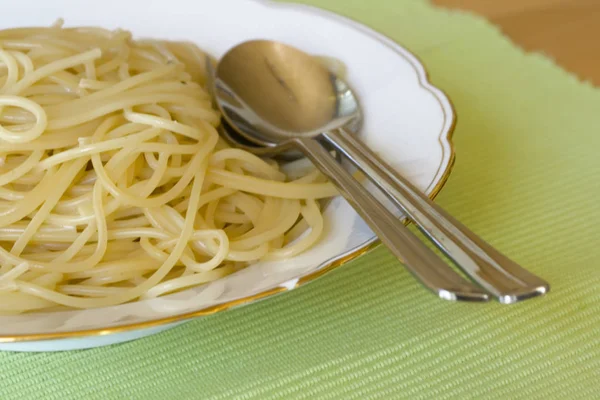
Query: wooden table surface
[566,30]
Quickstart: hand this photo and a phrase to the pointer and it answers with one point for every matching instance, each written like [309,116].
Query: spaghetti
[114,183]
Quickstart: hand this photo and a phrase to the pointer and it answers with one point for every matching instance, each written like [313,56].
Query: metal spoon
[419,259]
[276,95]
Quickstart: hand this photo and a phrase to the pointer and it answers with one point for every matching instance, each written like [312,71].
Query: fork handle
[499,275]
[418,258]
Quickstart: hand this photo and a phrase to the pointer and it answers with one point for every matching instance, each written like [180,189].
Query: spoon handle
[418,258]
[502,277]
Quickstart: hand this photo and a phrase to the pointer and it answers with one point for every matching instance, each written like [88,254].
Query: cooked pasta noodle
[114,183]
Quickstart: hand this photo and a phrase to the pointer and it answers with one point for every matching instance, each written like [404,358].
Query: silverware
[419,259]
[280,98]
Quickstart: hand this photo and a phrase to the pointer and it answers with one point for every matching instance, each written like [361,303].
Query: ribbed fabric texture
[526,179]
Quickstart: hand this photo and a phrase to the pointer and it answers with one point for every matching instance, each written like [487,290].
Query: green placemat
[526,178]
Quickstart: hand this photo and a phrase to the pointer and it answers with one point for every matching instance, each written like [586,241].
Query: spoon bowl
[282,95]
[257,144]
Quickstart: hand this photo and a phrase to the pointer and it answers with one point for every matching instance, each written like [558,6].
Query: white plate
[407,121]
